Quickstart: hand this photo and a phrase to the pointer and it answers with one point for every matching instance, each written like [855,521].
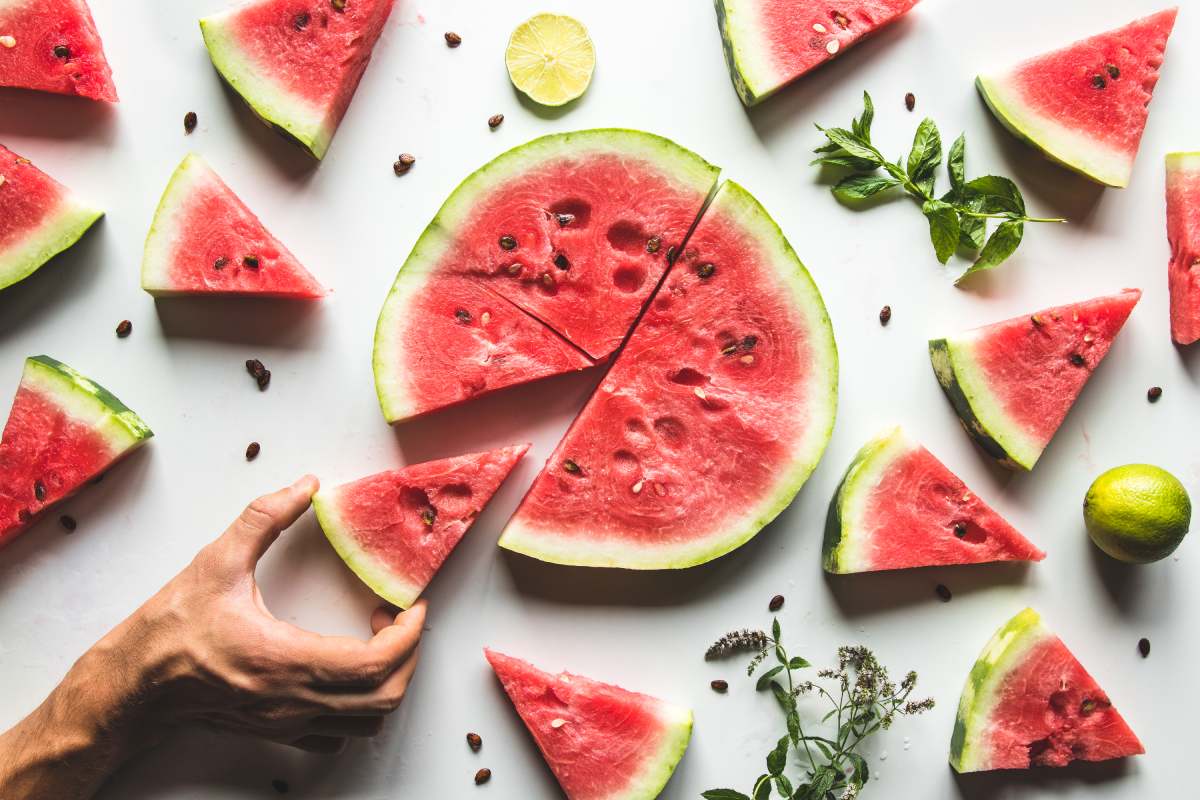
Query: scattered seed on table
[68,523]
[124,328]
[453,39]
[776,602]
[943,593]
[264,380]
[189,122]
[720,686]
[278,785]
[252,451]
[1154,393]
[483,776]
[910,101]
[404,163]
[1144,647]
[494,121]
[885,315]
[254,367]
[474,741]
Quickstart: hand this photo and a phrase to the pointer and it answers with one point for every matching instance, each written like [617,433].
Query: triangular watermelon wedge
[296,64]
[770,43]
[41,218]
[1013,382]
[63,430]
[1028,702]
[53,46]
[1084,106]
[394,529]
[601,742]
[1183,234]
[205,241]
[899,507]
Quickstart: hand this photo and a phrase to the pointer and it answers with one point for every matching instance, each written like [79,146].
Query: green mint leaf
[793,725]
[862,772]
[972,231]
[999,195]
[762,789]
[860,187]
[724,794]
[764,680]
[852,144]
[926,152]
[783,785]
[943,228]
[823,779]
[798,663]
[956,164]
[775,630]
[777,758]
[1000,245]
[782,697]
[849,162]
[862,125]
[824,748]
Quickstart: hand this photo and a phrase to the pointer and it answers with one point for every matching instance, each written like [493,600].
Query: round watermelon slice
[41,218]
[899,507]
[53,46]
[1013,382]
[770,43]
[396,528]
[601,742]
[572,231]
[1084,106]
[1028,702]
[1183,234]
[711,419]
[204,240]
[63,430]
[296,63]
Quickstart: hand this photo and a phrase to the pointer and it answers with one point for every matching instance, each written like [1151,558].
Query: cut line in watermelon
[63,431]
[899,507]
[394,529]
[296,63]
[571,231]
[601,742]
[41,218]
[1085,105]
[770,43]
[205,241]
[1028,702]
[53,46]
[1013,382]
[713,416]
[1183,235]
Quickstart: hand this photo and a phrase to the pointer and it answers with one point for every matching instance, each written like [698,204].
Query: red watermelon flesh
[63,430]
[601,741]
[900,507]
[1183,234]
[204,240]
[297,62]
[396,528]
[53,46]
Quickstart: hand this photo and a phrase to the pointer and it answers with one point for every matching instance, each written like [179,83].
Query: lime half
[550,58]
[1137,513]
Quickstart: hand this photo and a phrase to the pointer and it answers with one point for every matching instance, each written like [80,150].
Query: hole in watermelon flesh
[416,501]
[454,499]
[671,430]
[625,462]
[629,279]
[579,210]
[688,377]
[636,432]
[968,531]
[628,237]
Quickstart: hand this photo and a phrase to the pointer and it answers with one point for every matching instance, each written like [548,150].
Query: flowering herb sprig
[958,219]
[864,700]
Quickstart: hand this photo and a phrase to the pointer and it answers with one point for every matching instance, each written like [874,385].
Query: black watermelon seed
[508,242]
[62,51]
[483,776]
[706,270]
[220,262]
[301,21]
[652,244]
[1144,647]
[1113,71]
[1154,393]
[1098,82]
[68,522]
[776,603]
[264,380]
[474,741]
[885,315]
[560,261]
[494,121]
[452,39]
[720,686]
[124,328]
[251,261]
[189,122]
[943,593]
[39,490]
[252,451]
[910,101]
[1077,359]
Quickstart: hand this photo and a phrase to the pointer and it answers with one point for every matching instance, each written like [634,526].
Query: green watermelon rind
[980,411]
[842,537]
[749,71]
[678,723]
[290,115]
[981,693]
[52,236]
[417,269]
[86,401]
[389,585]
[573,551]
[1060,144]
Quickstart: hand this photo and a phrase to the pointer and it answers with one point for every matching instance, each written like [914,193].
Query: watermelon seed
[124,328]
[747,359]
[700,393]
[1154,393]
[819,28]
[338,5]
[1088,338]
[463,316]
[840,19]
[776,603]
[474,741]
[254,366]
[637,487]
[189,122]
[720,686]
[885,315]
[652,244]
[943,593]
[404,163]
[1112,70]
[1037,320]
[39,490]
[494,121]
[1144,647]
[557,723]
[1077,359]
[560,261]
[1087,706]
[960,529]
[485,318]
[910,101]
[564,219]
[748,342]
[429,516]
[2,180]
[483,776]
[571,467]
[832,47]
[8,42]
[659,489]
[62,51]
[68,523]
[264,380]
[452,38]
[250,262]
[508,242]
[220,262]
[301,21]
[729,349]
[671,254]
[706,270]
[548,280]
[1098,82]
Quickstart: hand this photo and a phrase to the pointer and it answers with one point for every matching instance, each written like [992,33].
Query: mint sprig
[958,219]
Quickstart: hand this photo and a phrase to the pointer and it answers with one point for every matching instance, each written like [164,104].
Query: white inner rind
[749,50]
[80,399]
[658,769]
[58,231]
[858,489]
[158,256]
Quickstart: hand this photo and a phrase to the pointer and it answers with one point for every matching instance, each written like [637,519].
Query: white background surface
[352,223]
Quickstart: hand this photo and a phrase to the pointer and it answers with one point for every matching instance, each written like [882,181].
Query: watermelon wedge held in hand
[770,43]
[296,63]
[899,507]
[1028,702]
[395,528]
[601,742]
[204,240]
[1084,106]
[63,430]
[39,218]
[713,416]
[53,46]
[1013,382]
[1183,234]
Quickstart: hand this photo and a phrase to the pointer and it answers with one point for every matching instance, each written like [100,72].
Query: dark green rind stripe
[136,426]
[833,528]
[739,81]
[939,350]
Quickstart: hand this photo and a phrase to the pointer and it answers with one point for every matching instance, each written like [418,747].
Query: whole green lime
[1137,513]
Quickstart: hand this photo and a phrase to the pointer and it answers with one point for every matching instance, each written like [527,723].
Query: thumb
[260,524]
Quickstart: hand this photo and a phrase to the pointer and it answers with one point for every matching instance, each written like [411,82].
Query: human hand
[206,650]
